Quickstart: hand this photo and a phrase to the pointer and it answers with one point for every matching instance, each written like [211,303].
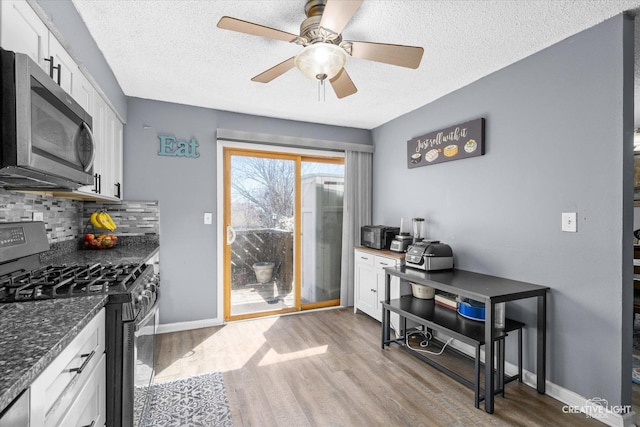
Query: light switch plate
[208,218]
[569,222]
[38,216]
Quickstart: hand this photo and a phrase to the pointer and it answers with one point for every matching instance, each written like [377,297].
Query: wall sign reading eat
[170,146]
[453,143]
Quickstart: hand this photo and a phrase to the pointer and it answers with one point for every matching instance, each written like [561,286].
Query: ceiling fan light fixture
[321,60]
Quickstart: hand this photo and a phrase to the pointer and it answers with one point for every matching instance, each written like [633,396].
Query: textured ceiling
[172,51]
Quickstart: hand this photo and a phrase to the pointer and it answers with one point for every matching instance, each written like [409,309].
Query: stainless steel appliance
[429,255]
[403,239]
[377,236]
[46,136]
[400,243]
[17,414]
[131,310]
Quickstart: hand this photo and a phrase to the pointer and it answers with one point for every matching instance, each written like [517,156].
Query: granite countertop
[133,253]
[33,333]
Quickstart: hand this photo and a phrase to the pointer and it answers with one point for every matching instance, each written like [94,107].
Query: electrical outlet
[38,216]
[208,218]
[569,222]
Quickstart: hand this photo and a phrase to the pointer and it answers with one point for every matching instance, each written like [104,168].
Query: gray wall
[68,22]
[558,138]
[186,188]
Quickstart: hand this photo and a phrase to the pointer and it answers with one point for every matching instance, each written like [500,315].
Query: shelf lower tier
[432,315]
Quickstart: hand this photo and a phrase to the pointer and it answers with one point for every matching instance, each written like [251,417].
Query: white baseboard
[165,328]
[574,403]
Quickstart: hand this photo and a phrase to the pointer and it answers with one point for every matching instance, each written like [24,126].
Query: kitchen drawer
[55,390]
[383,262]
[364,257]
[89,407]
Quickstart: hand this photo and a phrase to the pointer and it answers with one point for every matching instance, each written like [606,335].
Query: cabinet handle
[59,72]
[383,263]
[90,425]
[51,68]
[374,290]
[95,183]
[117,184]
[364,258]
[84,364]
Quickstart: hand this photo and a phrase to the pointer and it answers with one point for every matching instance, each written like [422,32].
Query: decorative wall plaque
[172,147]
[453,143]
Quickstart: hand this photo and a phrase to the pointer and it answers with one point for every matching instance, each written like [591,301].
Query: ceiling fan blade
[342,84]
[394,54]
[337,14]
[275,71]
[233,24]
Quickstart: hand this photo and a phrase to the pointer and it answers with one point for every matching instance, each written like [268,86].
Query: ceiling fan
[325,53]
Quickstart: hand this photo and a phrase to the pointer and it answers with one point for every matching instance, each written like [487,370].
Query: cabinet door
[99,134]
[21,30]
[366,284]
[82,91]
[112,150]
[89,409]
[118,158]
[367,292]
[67,70]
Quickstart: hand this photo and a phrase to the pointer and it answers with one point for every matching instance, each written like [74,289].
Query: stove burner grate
[68,281]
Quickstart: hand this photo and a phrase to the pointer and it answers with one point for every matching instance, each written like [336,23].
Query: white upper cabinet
[21,30]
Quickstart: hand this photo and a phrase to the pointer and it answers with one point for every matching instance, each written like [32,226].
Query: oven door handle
[150,313]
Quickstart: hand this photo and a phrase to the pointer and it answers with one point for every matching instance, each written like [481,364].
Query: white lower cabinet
[369,283]
[71,391]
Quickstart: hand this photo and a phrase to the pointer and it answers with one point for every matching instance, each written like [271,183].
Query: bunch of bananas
[101,219]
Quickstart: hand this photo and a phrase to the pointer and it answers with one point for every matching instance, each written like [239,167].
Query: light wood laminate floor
[326,368]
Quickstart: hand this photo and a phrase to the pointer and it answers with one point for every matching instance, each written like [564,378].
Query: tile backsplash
[61,216]
[133,218]
[66,219]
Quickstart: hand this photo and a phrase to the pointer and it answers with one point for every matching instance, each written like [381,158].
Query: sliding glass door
[283,226]
[321,218]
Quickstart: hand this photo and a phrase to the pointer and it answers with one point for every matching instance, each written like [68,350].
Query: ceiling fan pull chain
[321,90]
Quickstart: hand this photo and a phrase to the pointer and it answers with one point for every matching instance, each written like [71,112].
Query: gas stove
[131,309]
[24,279]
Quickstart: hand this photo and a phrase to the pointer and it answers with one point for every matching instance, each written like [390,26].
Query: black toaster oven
[377,236]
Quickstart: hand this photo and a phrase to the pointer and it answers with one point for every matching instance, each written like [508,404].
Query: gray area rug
[199,401]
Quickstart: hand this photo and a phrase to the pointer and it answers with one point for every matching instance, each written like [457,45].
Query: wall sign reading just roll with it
[171,147]
[453,143]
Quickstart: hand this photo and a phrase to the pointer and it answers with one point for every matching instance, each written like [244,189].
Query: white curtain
[356,213]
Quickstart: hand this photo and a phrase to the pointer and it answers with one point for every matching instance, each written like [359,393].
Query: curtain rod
[290,141]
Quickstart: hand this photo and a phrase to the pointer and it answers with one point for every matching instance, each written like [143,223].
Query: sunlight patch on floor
[273,356]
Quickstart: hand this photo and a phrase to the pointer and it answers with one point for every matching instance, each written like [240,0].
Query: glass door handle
[231,235]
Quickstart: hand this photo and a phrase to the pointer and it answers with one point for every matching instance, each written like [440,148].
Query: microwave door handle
[93,145]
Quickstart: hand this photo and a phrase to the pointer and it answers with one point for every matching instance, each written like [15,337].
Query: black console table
[481,287]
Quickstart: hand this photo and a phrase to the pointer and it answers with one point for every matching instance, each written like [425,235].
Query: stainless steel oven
[131,328]
[143,334]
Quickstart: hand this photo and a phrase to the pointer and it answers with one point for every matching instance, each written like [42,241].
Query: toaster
[429,255]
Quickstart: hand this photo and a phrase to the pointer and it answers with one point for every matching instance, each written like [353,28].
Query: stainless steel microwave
[46,135]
